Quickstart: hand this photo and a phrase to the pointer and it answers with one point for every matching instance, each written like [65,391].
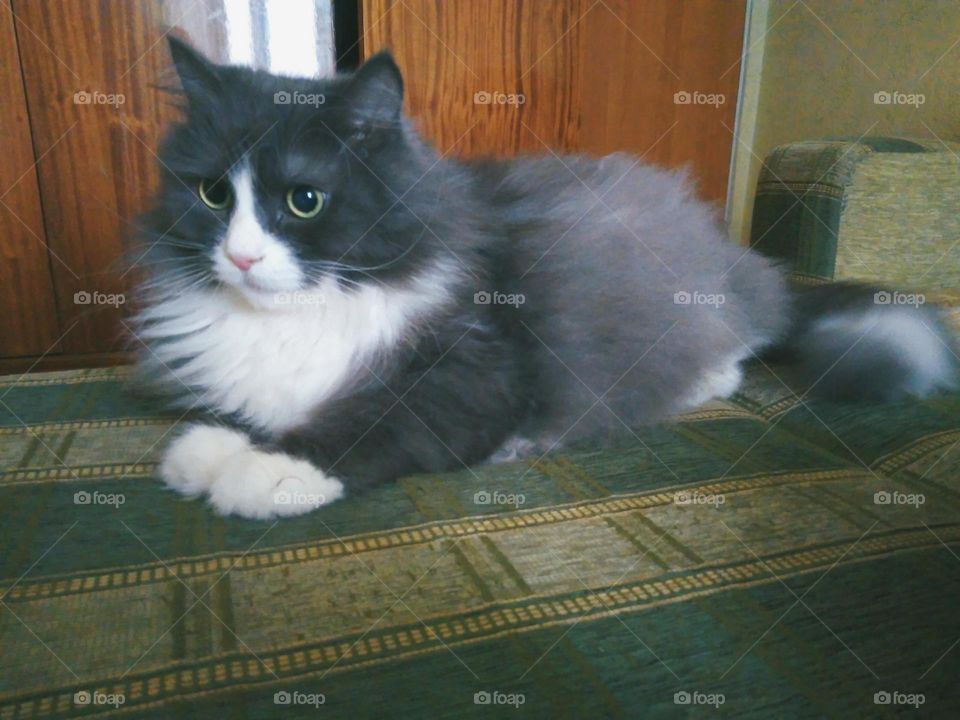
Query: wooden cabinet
[28,313]
[96,117]
[82,114]
[657,78]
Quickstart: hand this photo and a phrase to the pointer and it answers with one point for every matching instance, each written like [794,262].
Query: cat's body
[435,314]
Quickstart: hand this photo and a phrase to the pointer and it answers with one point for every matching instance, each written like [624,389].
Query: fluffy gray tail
[857,342]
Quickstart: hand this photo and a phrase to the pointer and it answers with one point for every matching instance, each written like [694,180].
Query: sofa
[763,556]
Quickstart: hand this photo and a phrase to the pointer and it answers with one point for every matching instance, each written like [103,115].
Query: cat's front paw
[261,485]
[192,461]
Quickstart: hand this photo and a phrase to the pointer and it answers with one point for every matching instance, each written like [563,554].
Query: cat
[346,306]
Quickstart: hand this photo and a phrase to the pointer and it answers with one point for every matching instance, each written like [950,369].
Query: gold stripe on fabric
[800,188]
[715,414]
[894,461]
[82,472]
[438,633]
[780,406]
[29,589]
[67,377]
[85,425]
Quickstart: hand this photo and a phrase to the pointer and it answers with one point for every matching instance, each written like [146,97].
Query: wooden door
[28,317]
[96,115]
[656,78]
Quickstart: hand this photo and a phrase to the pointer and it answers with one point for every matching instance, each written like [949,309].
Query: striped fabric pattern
[765,555]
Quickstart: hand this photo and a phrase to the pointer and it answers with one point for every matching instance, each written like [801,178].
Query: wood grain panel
[453,53]
[636,57]
[28,318]
[596,76]
[98,168]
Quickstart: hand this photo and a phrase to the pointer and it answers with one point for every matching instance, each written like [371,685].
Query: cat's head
[271,184]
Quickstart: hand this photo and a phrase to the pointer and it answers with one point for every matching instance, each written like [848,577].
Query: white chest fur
[275,367]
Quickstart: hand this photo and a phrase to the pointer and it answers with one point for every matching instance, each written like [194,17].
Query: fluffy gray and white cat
[347,307]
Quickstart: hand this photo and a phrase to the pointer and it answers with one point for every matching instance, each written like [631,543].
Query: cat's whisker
[174,281]
[159,261]
[167,240]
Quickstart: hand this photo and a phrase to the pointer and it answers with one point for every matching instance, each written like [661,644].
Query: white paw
[191,462]
[257,484]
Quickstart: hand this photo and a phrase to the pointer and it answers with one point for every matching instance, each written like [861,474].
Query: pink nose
[244,262]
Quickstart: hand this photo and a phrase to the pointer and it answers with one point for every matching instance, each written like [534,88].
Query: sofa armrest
[884,209]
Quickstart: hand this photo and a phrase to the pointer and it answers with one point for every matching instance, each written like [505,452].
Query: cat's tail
[857,342]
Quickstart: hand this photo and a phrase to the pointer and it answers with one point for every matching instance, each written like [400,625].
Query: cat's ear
[375,93]
[198,76]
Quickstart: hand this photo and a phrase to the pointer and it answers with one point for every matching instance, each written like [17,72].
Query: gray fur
[854,342]
[599,249]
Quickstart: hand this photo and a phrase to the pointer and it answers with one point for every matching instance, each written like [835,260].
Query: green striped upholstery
[738,553]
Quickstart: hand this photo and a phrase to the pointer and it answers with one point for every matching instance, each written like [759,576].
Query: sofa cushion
[774,556]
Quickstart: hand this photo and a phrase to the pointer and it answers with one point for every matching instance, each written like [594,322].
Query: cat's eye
[304,201]
[216,194]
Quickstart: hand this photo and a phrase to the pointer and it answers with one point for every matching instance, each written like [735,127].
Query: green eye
[216,194]
[304,201]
